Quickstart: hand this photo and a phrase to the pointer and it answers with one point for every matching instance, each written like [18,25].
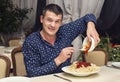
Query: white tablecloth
[106,74]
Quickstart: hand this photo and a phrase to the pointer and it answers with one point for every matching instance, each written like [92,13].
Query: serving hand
[91,32]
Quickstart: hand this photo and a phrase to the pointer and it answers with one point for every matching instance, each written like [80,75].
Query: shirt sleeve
[73,29]
[33,62]
[90,17]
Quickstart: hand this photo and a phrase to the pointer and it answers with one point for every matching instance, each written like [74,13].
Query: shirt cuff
[90,17]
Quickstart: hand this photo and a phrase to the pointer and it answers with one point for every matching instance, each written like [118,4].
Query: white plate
[15,79]
[116,64]
[65,69]
[2,47]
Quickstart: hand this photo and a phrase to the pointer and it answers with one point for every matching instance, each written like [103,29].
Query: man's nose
[53,24]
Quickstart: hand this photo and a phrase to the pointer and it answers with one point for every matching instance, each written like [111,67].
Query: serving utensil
[87,45]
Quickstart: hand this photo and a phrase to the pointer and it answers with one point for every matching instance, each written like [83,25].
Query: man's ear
[41,18]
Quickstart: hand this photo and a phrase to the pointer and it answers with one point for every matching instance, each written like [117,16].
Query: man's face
[51,23]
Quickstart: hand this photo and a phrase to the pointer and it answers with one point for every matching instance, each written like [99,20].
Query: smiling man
[48,50]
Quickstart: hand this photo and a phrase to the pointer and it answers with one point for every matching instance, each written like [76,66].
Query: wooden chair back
[14,42]
[18,62]
[5,66]
[98,57]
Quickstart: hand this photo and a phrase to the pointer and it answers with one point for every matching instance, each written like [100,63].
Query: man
[48,50]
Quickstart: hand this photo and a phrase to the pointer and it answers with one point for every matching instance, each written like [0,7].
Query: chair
[18,62]
[5,65]
[98,57]
[14,42]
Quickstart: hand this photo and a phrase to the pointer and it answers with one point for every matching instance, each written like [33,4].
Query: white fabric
[106,74]
[91,6]
[74,9]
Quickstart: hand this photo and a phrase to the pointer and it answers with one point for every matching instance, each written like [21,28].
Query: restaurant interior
[20,18]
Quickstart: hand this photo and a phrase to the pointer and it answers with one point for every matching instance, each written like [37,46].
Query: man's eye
[50,20]
[57,21]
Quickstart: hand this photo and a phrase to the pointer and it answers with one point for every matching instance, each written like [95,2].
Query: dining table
[106,74]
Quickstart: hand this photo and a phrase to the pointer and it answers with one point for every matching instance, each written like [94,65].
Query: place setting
[82,68]
[114,64]
[77,70]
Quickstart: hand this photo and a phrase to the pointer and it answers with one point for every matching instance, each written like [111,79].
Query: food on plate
[81,64]
[83,67]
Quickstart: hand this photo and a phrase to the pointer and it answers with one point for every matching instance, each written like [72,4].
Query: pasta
[84,67]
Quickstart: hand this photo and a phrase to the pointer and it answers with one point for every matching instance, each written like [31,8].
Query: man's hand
[64,55]
[91,32]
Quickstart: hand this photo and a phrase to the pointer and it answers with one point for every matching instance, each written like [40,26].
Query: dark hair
[53,8]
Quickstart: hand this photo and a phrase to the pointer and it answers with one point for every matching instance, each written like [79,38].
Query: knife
[113,67]
[63,78]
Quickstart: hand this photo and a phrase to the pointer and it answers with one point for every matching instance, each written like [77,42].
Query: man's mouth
[51,28]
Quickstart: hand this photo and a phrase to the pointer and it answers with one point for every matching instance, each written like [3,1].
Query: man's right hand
[64,55]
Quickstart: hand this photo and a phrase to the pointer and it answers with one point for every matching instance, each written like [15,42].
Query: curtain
[74,9]
[27,23]
[40,5]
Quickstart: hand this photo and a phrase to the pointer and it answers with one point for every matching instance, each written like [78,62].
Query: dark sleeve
[33,62]
[73,29]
